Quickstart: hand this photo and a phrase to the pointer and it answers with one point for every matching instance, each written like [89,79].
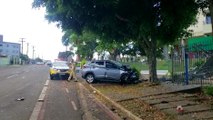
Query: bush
[208,90]
[83,62]
[198,63]
[137,72]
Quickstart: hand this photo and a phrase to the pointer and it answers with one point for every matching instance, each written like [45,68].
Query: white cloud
[19,20]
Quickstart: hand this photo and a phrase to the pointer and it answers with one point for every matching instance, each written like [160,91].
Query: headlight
[56,70]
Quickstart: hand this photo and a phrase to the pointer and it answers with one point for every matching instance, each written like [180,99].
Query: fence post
[172,58]
[186,68]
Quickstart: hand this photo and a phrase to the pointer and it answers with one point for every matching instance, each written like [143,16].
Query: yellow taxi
[59,69]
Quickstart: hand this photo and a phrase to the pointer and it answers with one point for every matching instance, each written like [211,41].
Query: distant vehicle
[39,63]
[108,70]
[49,63]
[58,69]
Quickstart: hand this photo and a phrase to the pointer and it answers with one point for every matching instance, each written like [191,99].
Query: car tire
[90,78]
[124,79]
[51,77]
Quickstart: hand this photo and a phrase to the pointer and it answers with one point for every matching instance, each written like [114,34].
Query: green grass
[161,65]
[178,65]
[208,90]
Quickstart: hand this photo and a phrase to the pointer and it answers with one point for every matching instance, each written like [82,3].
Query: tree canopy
[146,22]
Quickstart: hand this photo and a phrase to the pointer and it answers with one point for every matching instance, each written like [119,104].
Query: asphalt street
[17,82]
[45,99]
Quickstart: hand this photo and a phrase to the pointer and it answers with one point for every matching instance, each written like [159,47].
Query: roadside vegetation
[122,29]
[208,90]
[161,65]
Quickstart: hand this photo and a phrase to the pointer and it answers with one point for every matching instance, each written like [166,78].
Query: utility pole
[22,41]
[27,48]
[33,51]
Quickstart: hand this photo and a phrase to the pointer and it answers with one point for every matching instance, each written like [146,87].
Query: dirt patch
[144,110]
[134,98]
[128,97]
[141,89]
[204,99]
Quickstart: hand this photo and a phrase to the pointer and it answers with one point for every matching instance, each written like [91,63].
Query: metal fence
[192,65]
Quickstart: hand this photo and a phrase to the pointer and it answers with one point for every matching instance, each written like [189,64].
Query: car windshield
[62,64]
[117,63]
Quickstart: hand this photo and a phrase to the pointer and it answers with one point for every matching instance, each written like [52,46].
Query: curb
[87,115]
[110,113]
[116,105]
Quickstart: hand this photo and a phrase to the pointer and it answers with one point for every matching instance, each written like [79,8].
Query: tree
[65,38]
[145,22]
[38,59]
[114,48]
[24,58]
[85,43]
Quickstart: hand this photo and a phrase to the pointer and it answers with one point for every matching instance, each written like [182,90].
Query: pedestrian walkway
[192,109]
[166,98]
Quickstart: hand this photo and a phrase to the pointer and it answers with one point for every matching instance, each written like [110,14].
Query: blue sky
[19,20]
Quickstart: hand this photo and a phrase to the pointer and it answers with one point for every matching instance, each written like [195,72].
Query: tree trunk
[90,56]
[150,47]
[113,57]
[78,58]
[211,12]
[114,54]
[152,62]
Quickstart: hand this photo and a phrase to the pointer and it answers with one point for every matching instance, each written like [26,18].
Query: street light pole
[22,41]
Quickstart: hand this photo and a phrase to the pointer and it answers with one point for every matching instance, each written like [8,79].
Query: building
[203,25]
[10,50]
[201,39]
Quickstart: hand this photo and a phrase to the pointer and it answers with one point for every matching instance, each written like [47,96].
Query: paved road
[17,82]
[61,100]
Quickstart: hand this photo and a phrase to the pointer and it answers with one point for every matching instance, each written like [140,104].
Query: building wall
[1,44]
[4,61]
[1,38]
[10,49]
[203,25]
[201,28]
[9,52]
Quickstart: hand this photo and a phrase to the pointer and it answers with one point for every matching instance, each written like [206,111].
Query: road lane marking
[67,90]
[74,106]
[11,76]
[42,95]
[36,111]
[47,83]
[38,106]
